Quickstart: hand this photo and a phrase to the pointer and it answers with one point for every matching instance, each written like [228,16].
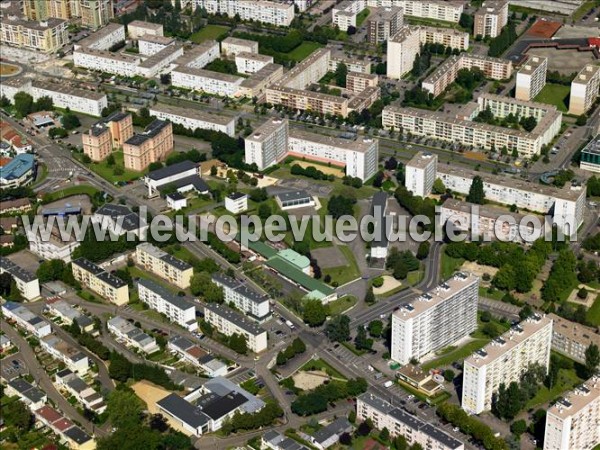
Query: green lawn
[555,94]
[108,172]
[344,274]
[362,16]
[494,294]
[567,380]
[456,355]
[415,276]
[72,190]
[449,265]
[584,9]
[209,32]
[136,272]
[181,252]
[303,50]
[341,304]
[319,364]
[593,314]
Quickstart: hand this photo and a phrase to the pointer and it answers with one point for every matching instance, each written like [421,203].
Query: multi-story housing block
[107,135]
[354,63]
[27,283]
[177,309]
[248,63]
[590,155]
[201,80]
[384,23]
[154,144]
[505,360]
[229,322]
[93,13]
[307,100]
[572,422]
[421,171]
[103,39]
[436,319]
[149,44]
[571,338]
[160,62]
[531,78]
[449,11]
[275,13]
[47,36]
[233,46]
[584,90]
[343,15]
[400,423]
[256,84]
[160,263]
[491,18]
[105,61]
[101,282]
[200,55]
[357,82]
[268,144]
[246,299]
[193,118]
[139,28]
[309,70]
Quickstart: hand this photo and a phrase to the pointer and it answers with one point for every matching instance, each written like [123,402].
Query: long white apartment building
[273,141]
[531,78]
[104,38]
[233,46]
[505,360]
[420,173]
[449,11]
[465,131]
[166,266]
[486,221]
[77,100]
[228,322]
[161,62]
[74,359]
[343,15]
[68,314]
[573,421]
[27,283]
[200,55]
[194,118]
[446,73]
[401,423]
[246,299]
[132,336]
[55,247]
[149,44]
[177,309]
[272,12]
[354,63]
[304,100]
[405,45]
[310,70]
[248,63]
[436,319]
[201,80]
[491,18]
[585,89]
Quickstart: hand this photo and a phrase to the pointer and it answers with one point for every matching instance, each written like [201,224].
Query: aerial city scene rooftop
[300,224]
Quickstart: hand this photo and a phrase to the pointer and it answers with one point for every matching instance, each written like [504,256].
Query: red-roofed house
[62,424]
[47,415]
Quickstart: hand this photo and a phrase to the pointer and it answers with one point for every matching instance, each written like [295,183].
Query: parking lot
[13,367]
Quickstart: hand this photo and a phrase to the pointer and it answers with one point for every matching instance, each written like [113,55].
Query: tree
[581,120]
[391,163]
[44,103]
[51,270]
[237,343]
[361,341]
[423,250]
[23,103]
[582,293]
[124,408]
[384,434]
[346,439]
[592,360]
[16,414]
[370,296]
[529,123]
[264,211]
[110,160]
[476,192]
[314,313]
[449,375]
[298,346]
[338,329]
[70,121]
[438,187]
[466,21]
[518,427]
[57,132]
[340,74]
[376,328]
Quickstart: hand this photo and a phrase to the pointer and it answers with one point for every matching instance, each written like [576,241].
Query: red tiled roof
[62,424]
[196,352]
[594,42]
[48,414]
[4,161]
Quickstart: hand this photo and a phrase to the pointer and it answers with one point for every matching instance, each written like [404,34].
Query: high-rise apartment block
[383,24]
[573,422]
[177,309]
[584,90]
[268,144]
[46,36]
[531,78]
[107,135]
[275,13]
[93,13]
[421,171]
[505,360]
[154,144]
[491,18]
[245,298]
[344,14]
[436,319]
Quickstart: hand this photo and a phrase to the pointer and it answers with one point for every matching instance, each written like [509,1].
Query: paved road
[45,383]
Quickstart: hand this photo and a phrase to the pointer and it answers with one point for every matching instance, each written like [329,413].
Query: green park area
[82,189]
[449,265]
[555,94]
[341,305]
[209,32]
[593,314]
[362,16]
[303,50]
[113,169]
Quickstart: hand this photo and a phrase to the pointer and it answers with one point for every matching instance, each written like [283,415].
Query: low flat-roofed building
[19,205]
[418,378]
[26,319]
[194,118]
[27,283]
[254,304]
[93,277]
[18,172]
[166,266]
[294,199]
[183,175]
[177,309]
[229,322]
[119,219]
[276,441]
[68,314]
[73,358]
[193,354]
[131,335]
[231,46]
[236,202]
[330,434]
[590,156]
[33,397]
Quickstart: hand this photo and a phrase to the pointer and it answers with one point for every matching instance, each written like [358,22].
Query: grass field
[209,32]
[566,381]
[72,190]
[449,265]
[108,172]
[341,304]
[593,314]
[344,274]
[584,9]
[136,272]
[456,355]
[362,16]
[555,94]
[303,50]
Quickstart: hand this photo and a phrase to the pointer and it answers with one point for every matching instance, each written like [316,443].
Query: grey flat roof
[77,434]
[337,427]
[111,280]
[183,410]
[16,271]
[88,265]
[219,406]
[235,318]
[293,195]
[165,294]
[239,287]
[193,180]
[171,170]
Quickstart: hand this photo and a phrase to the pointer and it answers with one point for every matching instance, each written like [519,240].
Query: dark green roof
[297,276]
[266,251]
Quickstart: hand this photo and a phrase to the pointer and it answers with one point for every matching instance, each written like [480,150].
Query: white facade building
[104,61]
[275,13]
[436,319]
[491,18]
[343,15]
[268,144]
[200,55]
[139,28]
[207,81]
[248,63]
[104,38]
[236,202]
[27,283]
[585,89]
[420,173]
[531,78]
[193,118]
[150,45]
[246,299]
[26,319]
[132,336]
[505,360]
[229,322]
[52,248]
[177,309]
[159,262]
[233,46]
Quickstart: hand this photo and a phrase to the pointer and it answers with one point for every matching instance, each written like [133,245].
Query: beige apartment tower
[531,78]
[94,14]
[491,18]
[107,135]
[383,24]
[584,90]
[154,144]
